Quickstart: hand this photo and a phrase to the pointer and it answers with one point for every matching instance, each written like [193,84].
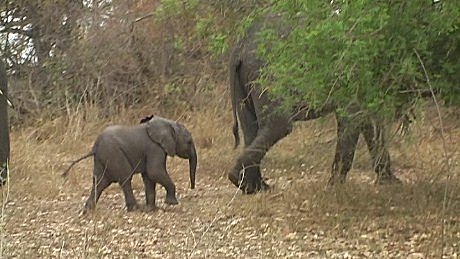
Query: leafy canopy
[362,51]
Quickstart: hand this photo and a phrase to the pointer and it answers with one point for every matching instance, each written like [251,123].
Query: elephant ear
[146,119]
[162,132]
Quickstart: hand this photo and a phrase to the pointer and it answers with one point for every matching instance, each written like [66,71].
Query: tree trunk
[4,132]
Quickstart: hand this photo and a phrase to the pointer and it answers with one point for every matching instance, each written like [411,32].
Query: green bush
[372,53]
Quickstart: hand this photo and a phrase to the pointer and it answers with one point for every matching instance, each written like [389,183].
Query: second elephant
[121,151]
[263,124]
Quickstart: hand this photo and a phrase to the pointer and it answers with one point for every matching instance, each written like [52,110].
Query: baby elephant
[121,151]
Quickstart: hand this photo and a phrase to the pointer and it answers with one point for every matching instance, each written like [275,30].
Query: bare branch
[143,17]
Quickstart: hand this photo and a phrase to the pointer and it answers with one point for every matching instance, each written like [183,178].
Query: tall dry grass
[405,218]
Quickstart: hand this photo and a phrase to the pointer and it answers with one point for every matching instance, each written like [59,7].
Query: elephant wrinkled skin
[263,124]
[121,151]
[4,130]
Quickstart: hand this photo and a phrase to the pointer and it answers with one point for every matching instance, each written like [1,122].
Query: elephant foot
[171,200]
[387,179]
[132,207]
[149,208]
[87,209]
[84,211]
[251,183]
[89,206]
[234,178]
[336,179]
[257,187]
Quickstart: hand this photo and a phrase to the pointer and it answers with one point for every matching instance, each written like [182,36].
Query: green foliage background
[370,53]
[363,52]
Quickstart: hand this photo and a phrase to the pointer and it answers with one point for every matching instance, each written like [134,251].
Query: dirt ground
[300,218]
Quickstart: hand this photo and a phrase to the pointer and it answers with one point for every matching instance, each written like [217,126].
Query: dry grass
[300,218]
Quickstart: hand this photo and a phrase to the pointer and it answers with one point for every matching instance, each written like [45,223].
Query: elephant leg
[248,123]
[127,188]
[100,182]
[375,140]
[164,179]
[246,173]
[120,169]
[156,170]
[150,194]
[347,138]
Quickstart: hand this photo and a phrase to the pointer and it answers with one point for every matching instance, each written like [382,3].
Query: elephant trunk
[192,163]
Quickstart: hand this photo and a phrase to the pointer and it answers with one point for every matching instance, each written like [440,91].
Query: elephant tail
[66,172]
[234,85]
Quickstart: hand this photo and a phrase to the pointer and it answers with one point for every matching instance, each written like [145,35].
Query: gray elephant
[121,151]
[263,124]
[4,128]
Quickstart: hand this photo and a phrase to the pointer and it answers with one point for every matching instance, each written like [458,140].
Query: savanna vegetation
[75,67]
